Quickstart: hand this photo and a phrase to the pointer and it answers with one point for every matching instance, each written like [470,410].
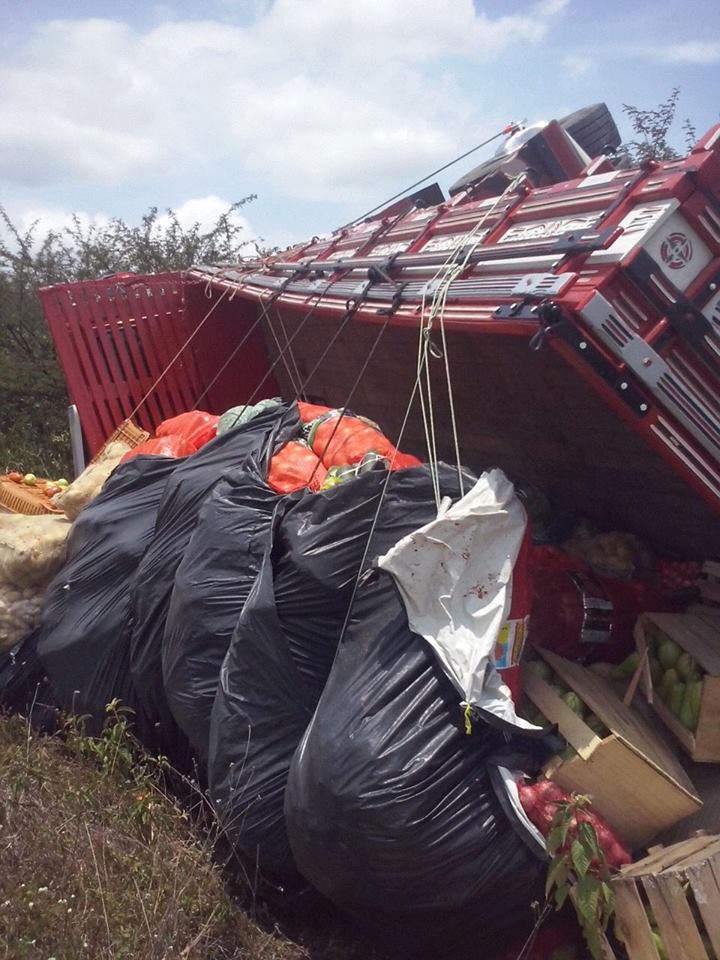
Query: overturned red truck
[558,317]
[580,319]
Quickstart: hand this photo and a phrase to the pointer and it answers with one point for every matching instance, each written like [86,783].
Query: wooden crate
[127,433]
[681,886]
[699,635]
[21,498]
[633,776]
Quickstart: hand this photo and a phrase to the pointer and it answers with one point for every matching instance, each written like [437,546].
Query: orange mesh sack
[169,446]
[346,443]
[311,411]
[292,467]
[195,426]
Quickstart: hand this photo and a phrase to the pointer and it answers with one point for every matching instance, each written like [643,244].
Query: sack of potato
[90,482]
[32,550]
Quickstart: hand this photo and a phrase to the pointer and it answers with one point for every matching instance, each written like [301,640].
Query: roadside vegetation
[33,397]
[100,863]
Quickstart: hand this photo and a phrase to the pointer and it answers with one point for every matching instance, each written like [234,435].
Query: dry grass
[96,863]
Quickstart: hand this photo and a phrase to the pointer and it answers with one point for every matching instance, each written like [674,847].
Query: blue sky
[321,107]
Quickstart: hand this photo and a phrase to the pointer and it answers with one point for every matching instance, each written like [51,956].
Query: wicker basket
[127,433]
[21,498]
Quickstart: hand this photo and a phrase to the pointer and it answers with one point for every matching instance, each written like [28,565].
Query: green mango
[687,667]
[627,668]
[667,684]
[660,946]
[530,712]
[677,695]
[540,668]
[690,713]
[575,703]
[668,653]
[596,725]
[686,716]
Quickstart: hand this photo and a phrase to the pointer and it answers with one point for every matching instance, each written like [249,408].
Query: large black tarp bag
[219,567]
[177,518]
[286,638]
[390,807]
[24,685]
[83,639]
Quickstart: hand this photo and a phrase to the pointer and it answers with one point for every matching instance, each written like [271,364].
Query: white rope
[445,276]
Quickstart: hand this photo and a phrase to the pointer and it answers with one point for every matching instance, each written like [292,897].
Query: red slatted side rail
[114,338]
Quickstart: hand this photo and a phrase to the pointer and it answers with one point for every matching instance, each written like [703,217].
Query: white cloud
[698,51]
[204,211]
[313,95]
[547,8]
[578,65]
[42,220]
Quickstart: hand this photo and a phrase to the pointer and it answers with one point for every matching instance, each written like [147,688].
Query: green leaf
[580,859]
[587,898]
[561,895]
[608,894]
[592,939]
[557,874]
[587,836]
[555,840]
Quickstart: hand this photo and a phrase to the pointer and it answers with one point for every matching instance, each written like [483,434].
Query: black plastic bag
[212,583]
[390,808]
[177,518]
[24,685]
[83,640]
[286,639]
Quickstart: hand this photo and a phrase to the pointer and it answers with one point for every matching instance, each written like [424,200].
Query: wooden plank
[664,919]
[707,733]
[697,636]
[642,672]
[681,733]
[667,857]
[638,801]
[703,745]
[577,733]
[683,922]
[710,591]
[694,857]
[708,614]
[622,720]
[705,886]
[631,922]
